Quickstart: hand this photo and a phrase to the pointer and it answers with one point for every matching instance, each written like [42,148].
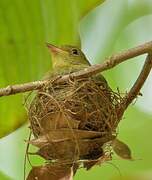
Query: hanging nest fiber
[73,120]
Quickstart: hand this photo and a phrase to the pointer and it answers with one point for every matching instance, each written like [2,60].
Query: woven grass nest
[73,121]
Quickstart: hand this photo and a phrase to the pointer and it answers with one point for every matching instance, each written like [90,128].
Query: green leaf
[135,127]
[4,177]
[25,27]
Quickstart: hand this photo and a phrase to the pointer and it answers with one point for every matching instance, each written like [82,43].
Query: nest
[72,121]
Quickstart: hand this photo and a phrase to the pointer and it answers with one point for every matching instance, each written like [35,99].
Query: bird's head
[67,56]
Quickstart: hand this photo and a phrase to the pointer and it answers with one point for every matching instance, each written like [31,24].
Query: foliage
[25,27]
[112,27]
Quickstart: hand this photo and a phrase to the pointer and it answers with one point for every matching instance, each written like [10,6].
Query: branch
[20,88]
[135,90]
[94,69]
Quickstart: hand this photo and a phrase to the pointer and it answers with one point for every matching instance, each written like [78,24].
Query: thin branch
[135,90]
[114,60]
[94,69]
[20,88]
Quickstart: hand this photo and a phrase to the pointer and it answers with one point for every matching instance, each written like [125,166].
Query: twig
[94,69]
[27,155]
[135,90]
[20,88]
[114,60]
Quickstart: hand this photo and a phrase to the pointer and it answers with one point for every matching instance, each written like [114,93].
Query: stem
[94,69]
[135,90]
[20,88]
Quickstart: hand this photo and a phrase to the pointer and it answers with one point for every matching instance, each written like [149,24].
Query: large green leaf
[4,177]
[25,26]
[99,37]
[122,25]
[129,25]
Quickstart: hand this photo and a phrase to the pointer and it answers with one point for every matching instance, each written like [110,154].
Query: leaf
[49,172]
[70,149]
[73,134]
[55,120]
[4,177]
[59,135]
[121,149]
[85,7]
[136,121]
[25,27]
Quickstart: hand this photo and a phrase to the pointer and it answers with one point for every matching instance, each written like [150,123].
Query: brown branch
[20,88]
[135,90]
[94,69]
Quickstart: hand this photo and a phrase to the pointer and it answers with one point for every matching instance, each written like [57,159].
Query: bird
[67,59]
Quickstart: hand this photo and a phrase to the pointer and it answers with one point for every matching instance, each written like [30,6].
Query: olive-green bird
[67,59]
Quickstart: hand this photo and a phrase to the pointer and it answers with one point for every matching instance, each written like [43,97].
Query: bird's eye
[75,52]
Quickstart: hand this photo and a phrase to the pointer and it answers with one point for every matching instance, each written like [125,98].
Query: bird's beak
[54,49]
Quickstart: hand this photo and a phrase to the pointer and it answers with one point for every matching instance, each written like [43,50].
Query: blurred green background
[113,26]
